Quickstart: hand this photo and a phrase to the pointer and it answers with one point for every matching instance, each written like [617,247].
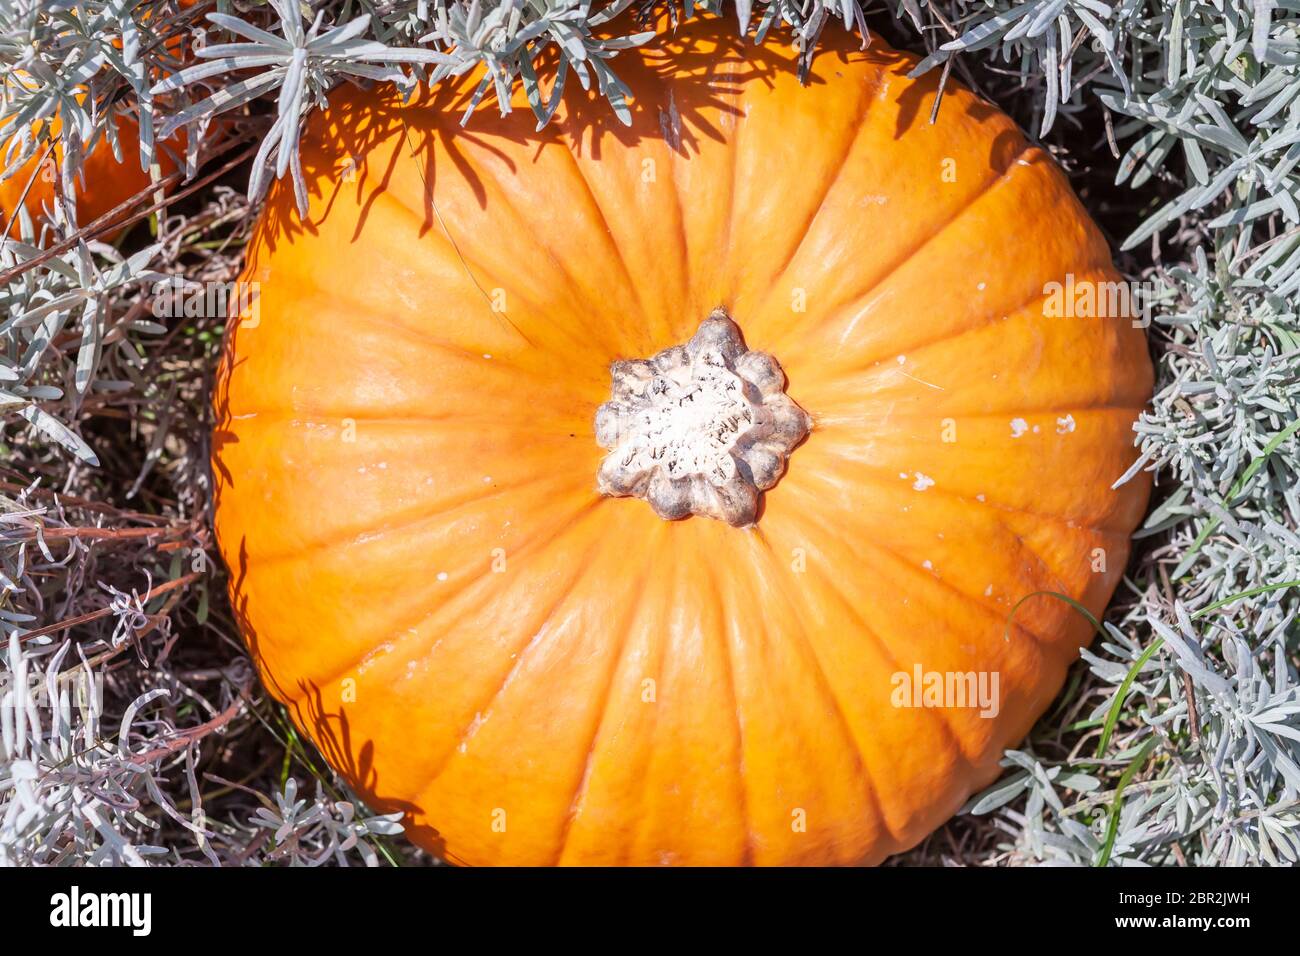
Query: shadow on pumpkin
[223,435]
[329,730]
[332,734]
[681,85]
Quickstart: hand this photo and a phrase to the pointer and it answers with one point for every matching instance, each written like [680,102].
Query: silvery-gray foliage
[85,782]
[78,290]
[132,729]
[1206,93]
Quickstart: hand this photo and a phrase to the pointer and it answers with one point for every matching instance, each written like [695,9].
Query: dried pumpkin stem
[699,429]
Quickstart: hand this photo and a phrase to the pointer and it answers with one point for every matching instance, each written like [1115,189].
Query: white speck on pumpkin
[486,355]
[988,591]
[980,497]
[981,286]
[902,360]
[1018,427]
[922,482]
[927,564]
[902,474]
[1065,425]
[442,575]
[369,659]
[474,725]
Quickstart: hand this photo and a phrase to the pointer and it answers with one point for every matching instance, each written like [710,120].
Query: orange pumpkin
[105,183]
[436,419]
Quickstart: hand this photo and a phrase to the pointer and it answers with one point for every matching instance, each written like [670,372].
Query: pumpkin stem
[702,428]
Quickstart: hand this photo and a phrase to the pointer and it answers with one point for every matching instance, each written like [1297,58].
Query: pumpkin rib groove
[1023,546]
[395,200]
[903,561]
[940,714]
[639,590]
[476,359]
[845,152]
[464,737]
[723,251]
[359,308]
[482,712]
[882,476]
[837,421]
[1019,313]
[938,717]
[1038,640]
[661,647]
[561,267]
[896,349]
[455,246]
[824,421]
[406,522]
[463,589]
[683,240]
[825,684]
[884,646]
[567,150]
[747,823]
[392,197]
[449,420]
[464,261]
[909,254]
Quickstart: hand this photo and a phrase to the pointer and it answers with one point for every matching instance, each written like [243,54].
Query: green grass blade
[1096,625]
[1112,716]
[1245,594]
[1112,822]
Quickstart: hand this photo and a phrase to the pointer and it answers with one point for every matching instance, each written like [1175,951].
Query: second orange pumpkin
[105,183]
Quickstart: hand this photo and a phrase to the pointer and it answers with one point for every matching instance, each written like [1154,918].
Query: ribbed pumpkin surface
[405,462]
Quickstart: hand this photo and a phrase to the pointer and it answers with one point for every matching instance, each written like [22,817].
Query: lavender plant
[132,729]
